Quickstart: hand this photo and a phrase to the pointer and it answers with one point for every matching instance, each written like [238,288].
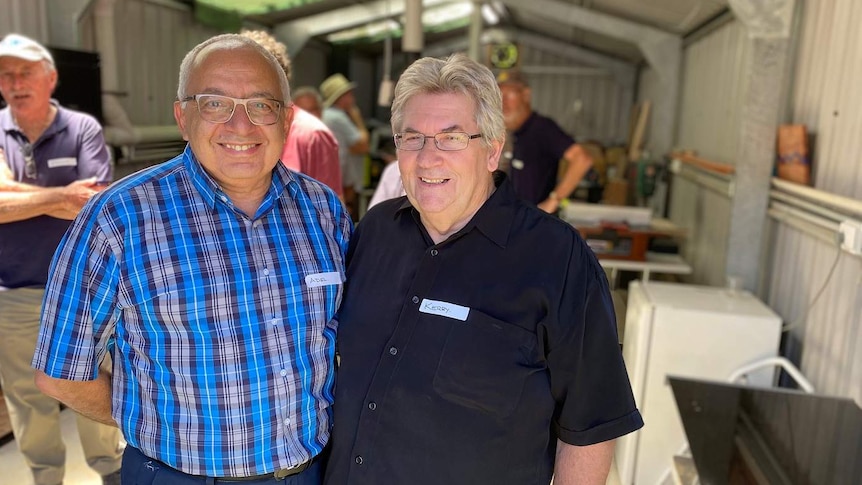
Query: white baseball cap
[16,45]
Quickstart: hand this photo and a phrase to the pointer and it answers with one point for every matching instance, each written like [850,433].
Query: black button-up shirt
[463,362]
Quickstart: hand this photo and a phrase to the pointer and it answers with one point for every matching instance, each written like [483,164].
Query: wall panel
[825,96]
[825,338]
[27,17]
[151,38]
[710,100]
[710,106]
[590,107]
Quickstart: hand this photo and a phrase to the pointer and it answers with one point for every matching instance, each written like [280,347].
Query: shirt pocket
[485,363]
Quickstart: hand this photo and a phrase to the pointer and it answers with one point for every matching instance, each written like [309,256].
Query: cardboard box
[616,192]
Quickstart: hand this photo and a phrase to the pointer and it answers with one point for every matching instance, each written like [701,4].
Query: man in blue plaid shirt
[213,279]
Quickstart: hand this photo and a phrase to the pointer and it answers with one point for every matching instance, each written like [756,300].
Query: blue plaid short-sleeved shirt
[222,326]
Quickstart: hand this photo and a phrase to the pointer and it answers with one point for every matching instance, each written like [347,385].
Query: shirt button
[433,252]
[372,405]
[393,350]
[358,459]
[287,421]
[415,299]
[266,271]
[274,321]
[283,372]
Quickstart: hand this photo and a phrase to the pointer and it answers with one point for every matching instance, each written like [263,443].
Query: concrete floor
[15,471]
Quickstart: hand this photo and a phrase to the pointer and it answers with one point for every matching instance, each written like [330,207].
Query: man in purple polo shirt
[538,145]
[52,160]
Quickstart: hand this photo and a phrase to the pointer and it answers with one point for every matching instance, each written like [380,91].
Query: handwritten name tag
[62,162]
[323,279]
[444,309]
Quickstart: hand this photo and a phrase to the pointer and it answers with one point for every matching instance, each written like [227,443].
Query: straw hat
[333,87]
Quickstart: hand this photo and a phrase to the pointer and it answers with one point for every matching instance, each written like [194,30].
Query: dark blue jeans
[139,469]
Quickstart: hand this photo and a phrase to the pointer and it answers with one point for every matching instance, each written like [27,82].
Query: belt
[276,475]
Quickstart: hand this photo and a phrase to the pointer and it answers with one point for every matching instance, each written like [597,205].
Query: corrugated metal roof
[673,16]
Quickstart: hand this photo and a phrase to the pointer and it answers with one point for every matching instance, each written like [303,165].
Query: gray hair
[308,91]
[454,74]
[229,42]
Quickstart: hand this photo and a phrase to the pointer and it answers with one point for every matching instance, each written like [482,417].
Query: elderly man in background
[343,117]
[52,160]
[477,336]
[538,145]
[214,279]
[309,99]
[310,147]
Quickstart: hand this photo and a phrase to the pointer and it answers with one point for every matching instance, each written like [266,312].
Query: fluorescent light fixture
[490,15]
[373,29]
[432,18]
[445,13]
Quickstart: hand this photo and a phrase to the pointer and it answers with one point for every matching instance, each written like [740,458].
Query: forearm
[575,171]
[578,163]
[21,205]
[583,465]
[356,116]
[89,398]
[360,146]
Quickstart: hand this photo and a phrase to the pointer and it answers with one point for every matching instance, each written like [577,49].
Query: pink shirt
[311,148]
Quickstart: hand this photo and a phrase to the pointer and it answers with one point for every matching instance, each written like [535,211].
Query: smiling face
[26,85]
[239,155]
[446,187]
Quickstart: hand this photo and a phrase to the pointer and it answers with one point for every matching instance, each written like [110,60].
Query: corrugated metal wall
[710,104]
[710,101]
[569,87]
[152,38]
[825,340]
[827,98]
[27,17]
[604,104]
[826,94]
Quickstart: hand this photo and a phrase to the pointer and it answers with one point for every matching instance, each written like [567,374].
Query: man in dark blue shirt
[477,335]
[538,145]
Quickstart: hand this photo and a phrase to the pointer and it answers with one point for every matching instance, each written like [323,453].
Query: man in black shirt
[477,336]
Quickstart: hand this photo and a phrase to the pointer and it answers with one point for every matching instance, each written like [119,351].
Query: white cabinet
[689,331]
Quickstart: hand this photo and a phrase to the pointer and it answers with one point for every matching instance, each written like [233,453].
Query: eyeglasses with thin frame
[30,169]
[216,108]
[448,141]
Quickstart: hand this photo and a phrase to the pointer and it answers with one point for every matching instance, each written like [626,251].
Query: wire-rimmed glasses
[448,141]
[216,108]
[30,169]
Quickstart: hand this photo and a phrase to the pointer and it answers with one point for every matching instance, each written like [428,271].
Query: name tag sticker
[444,309]
[62,162]
[323,279]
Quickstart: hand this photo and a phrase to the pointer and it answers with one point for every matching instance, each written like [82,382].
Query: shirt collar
[493,219]
[526,123]
[61,121]
[6,123]
[282,179]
